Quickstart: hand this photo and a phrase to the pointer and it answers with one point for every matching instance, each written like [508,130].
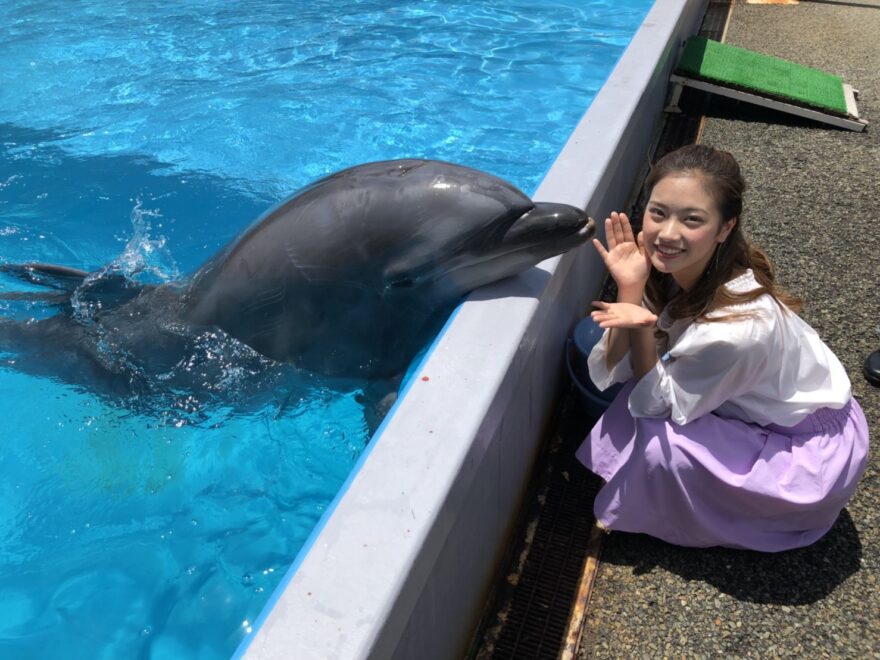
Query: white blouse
[769,368]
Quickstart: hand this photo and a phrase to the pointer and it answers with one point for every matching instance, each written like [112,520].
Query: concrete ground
[813,205]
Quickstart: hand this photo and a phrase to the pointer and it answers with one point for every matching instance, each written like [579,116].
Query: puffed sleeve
[602,377]
[710,364]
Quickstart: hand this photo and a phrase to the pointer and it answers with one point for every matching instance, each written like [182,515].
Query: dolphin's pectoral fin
[49,275]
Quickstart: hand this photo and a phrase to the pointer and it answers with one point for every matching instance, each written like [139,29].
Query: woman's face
[681,227]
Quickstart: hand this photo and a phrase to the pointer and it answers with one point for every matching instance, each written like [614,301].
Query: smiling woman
[737,426]
[683,228]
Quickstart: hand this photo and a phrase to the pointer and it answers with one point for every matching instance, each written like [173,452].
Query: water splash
[144,260]
[144,255]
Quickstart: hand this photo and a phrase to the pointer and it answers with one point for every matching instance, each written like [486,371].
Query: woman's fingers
[609,234]
[618,230]
[600,249]
[622,315]
[626,227]
[604,312]
[604,320]
[611,231]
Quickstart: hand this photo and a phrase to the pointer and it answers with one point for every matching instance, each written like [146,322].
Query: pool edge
[399,564]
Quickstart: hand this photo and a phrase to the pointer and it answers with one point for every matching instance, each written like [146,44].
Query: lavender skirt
[718,481]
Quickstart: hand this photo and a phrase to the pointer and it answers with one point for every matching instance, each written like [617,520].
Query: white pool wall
[402,565]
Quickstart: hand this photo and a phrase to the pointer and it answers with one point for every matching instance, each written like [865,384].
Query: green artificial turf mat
[770,76]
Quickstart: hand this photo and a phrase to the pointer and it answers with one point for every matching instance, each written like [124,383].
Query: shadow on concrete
[794,577]
[719,107]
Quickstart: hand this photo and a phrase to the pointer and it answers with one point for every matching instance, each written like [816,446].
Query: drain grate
[538,618]
[535,602]
[714,25]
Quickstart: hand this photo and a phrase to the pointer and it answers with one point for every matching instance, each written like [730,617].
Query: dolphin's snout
[588,230]
[552,222]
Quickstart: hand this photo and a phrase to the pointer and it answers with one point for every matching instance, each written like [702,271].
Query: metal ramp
[765,81]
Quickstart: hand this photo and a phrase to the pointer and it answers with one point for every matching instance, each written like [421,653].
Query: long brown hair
[720,174]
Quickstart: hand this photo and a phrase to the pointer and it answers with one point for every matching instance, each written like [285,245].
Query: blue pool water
[147,135]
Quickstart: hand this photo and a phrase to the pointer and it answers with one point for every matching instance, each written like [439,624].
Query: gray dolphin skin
[349,276]
[368,255]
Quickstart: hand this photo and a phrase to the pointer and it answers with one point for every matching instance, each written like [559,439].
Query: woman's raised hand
[625,257]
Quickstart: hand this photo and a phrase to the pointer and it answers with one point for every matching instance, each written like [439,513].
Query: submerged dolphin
[349,276]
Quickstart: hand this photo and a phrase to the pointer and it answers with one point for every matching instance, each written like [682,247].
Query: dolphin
[347,277]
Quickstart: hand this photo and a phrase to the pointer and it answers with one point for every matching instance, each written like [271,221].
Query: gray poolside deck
[813,205]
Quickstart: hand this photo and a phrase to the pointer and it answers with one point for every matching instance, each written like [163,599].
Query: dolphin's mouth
[544,231]
[469,271]
[549,247]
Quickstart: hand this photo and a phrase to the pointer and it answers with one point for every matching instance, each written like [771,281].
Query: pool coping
[401,562]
